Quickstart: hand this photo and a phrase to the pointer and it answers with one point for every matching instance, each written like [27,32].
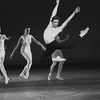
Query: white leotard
[2,49]
[26,44]
[27,40]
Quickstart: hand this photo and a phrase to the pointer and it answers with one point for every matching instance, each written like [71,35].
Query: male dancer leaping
[53,30]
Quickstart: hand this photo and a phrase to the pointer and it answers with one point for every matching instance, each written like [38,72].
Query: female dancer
[26,40]
[2,55]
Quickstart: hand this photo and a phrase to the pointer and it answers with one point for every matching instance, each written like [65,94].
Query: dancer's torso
[50,33]
[26,41]
[2,49]
[1,44]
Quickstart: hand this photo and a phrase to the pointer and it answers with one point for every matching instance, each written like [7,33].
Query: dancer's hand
[11,55]
[6,38]
[9,37]
[43,48]
[57,1]
[77,9]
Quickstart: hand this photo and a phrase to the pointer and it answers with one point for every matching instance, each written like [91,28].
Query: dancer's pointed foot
[6,80]
[27,75]
[21,75]
[84,32]
[49,76]
[59,77]
[24,76]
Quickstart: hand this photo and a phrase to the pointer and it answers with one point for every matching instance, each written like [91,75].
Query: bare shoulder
[30,35]
[21,37]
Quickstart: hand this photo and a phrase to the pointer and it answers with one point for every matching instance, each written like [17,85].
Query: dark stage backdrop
[15,15]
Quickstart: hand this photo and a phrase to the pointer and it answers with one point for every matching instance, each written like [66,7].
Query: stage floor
[78,85]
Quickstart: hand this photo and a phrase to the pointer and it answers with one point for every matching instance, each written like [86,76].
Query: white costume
[2,55]
[26,45]
[26,41]
[2,49]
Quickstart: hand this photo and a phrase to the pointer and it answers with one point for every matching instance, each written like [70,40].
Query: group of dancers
[53,45]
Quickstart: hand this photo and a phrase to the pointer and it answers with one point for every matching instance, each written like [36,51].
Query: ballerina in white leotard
[2,55]
[26,40]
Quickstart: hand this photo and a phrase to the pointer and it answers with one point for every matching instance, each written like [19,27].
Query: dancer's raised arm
[54,12]
[19,41]
[37,42]
[70,17]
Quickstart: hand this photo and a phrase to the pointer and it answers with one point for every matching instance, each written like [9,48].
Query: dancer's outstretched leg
[63,45]
[73,44]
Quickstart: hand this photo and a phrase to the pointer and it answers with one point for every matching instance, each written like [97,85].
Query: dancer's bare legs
[25,72]
[2,58]
[60,66]
[2,68]
[52,69]
[29,65]
[57,56]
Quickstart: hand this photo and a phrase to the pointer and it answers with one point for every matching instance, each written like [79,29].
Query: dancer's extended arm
[6,38]
[37,42]
[19,41]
